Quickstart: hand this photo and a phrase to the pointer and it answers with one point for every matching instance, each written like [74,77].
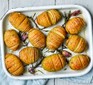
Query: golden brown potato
[11,39]
[20,21]
[14,65]
[76,43]
[37,38]
[75,25]
[54,62]
[79,62]
[29,55]
[49,18]
[55,37]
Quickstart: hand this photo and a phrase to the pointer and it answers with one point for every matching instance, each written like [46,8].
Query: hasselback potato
[37,38]
[54,62]
[19,21]
[75,25]
[29,55]
[76,43]
[49,18]
[55,37]
[11,39]
[14,65]
[79,62]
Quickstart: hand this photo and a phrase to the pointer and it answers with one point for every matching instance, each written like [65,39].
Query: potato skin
[49,18]
[11,39]
[75,25]
[37,38]
[79,62]
[19,21]
[54,62]
[29,55]
[76,43]
[55,37]
[14,65]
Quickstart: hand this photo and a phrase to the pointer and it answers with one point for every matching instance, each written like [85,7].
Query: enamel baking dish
[29,11]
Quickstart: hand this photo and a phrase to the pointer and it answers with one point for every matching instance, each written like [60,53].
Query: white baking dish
[4,24]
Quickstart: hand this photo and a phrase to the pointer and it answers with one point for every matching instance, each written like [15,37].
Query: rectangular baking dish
[63,73]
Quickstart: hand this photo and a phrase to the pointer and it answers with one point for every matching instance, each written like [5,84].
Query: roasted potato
[37,38]
[49,18]
[75,25]
[20,21]
[14,65]
[76,43]
[29,55]
[54,62]
[79,62]
[11,39]
[55,37]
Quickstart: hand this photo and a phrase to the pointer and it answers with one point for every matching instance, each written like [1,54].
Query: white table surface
[5,5]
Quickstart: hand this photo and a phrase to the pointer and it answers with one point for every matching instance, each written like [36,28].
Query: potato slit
[49,12]
[49,18]
[59,34]
[78,45]
[22,22]
[80,61]
[60,60]
[11,65]
[53,64]
[17,70]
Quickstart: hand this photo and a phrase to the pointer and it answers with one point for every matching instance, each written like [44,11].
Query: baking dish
[29,11]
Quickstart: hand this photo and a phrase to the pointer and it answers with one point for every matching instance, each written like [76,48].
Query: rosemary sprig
[32,69]
[65,69]
[33,20]
[34,15]
[38,63]
[40,71]
[25,43]
[66,17]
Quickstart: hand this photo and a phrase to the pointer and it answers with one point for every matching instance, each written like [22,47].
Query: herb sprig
[32,69]
[68,15]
